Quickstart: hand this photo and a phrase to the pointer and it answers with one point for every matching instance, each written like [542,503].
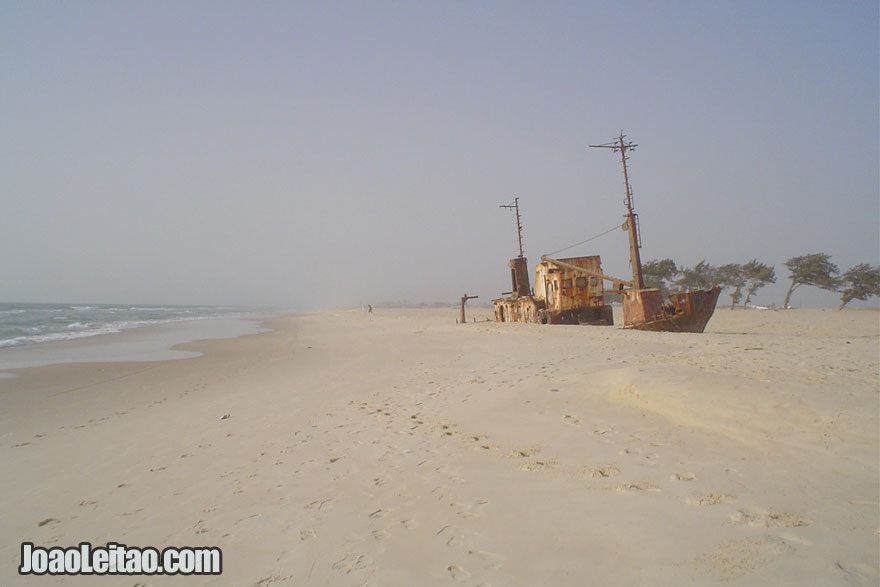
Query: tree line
[744,280]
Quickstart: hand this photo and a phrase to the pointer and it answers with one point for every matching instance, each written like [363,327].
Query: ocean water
[31,324]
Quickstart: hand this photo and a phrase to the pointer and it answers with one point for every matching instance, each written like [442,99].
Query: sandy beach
[400,448]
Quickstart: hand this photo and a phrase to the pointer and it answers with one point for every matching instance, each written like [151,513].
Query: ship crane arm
[618,283]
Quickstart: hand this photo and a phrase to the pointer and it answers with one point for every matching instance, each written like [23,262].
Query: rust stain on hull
[645,309]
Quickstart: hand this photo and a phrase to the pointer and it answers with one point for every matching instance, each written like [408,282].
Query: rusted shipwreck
[567,291]
[571,291]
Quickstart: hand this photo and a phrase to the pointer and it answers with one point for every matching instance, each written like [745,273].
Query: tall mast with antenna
[519,271]
[515,207]
[632,219]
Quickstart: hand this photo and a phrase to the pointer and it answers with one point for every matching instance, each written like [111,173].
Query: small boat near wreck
[570,291]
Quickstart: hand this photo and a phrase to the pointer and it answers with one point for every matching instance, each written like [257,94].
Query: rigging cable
[586,241]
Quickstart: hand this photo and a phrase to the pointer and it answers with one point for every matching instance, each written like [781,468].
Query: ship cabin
[562,295]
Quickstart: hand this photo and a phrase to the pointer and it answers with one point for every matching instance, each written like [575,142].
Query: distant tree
[815,269]
[731,275]
[859,283]
[659,273]
[700,276]
[757,275]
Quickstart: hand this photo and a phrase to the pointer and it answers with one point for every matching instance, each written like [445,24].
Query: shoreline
[148,342]
[400,447]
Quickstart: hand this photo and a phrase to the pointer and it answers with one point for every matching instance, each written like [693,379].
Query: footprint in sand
[307,534]
[758,518]
[409,524]
[352,563]
[707,498]
[451,536]
[457,573]
[638,486]
[442,493]
[264,582]
[736,558]
[538,465]
[488,560]
[466,510]
[684,477]
[601,472]
[523,452]
[572,420]
[320,505]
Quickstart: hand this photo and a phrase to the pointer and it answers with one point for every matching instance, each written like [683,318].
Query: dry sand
[399,448]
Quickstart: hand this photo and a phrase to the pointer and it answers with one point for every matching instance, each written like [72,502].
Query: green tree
[731,275]
[815,269]
[859,283]
[757,275]
[700,276]
[659,273]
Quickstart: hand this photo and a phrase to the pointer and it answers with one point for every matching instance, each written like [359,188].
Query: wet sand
[150,342]
[399,448]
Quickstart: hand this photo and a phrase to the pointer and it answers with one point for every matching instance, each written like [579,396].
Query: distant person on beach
[369,309]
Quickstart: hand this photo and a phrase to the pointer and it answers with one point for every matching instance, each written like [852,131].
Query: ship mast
[519,271]
[515,207]
[632,219]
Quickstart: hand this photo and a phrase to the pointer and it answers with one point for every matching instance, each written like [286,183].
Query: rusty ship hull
[598,316]
[645,309]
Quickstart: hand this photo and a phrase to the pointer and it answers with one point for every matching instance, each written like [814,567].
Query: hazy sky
[325,153]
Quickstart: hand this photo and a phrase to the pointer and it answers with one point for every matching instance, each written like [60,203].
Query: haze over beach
[307,156]
[207,211]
